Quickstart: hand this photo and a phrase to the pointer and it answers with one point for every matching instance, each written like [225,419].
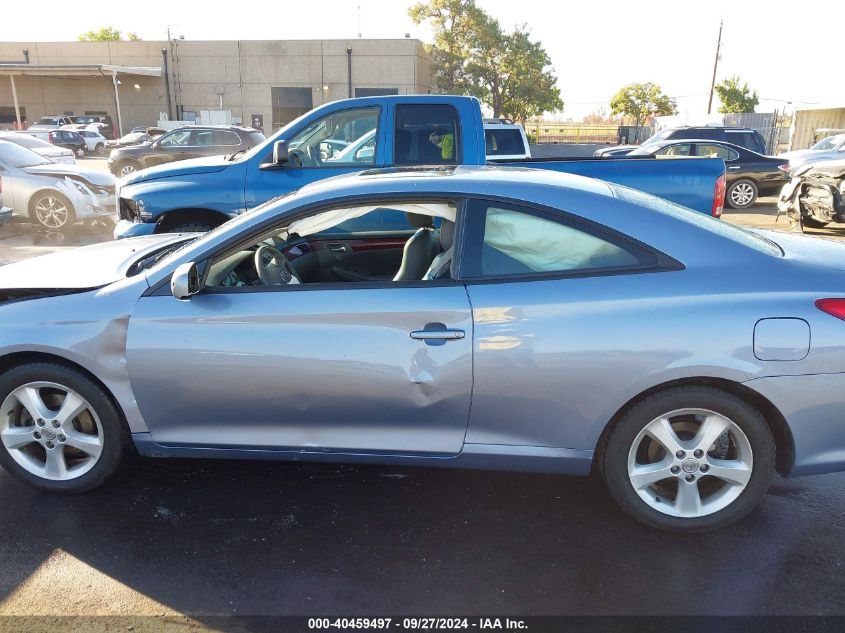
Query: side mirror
[280,152]
[185,281]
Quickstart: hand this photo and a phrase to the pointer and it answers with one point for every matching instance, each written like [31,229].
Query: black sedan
[69,140]
[749,174]
[183,143]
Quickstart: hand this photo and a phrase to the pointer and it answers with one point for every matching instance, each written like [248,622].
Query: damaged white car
[52,195]
[815,196]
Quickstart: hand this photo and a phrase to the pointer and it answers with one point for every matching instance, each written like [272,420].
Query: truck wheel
[52,210]
[126,167]
[689,459]
[741,194]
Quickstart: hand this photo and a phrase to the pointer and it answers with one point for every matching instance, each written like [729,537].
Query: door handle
[438,335]
[337,248]
[733,167]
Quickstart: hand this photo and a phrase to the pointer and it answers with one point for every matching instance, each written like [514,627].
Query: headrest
[420,221]
[447,234]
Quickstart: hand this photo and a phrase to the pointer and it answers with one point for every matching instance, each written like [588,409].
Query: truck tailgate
[690,182]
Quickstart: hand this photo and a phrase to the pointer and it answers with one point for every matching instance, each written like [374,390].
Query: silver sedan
[52,195]
[494,318]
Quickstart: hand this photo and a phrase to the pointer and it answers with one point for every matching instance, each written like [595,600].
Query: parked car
[108,130]
[815,196]
[184,143]
[51,195]
[505,141]
[575,315]
[746,137]
[133,138]
[52,122]
[61,138]
[408,130]
[5,212]
[95,142]
[749,174]
[829,148]
[614,151]
[47,150]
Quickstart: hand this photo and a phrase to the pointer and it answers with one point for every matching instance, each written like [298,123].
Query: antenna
[359,21]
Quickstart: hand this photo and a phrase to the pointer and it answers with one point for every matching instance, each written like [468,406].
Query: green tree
[456,25]
[107,34]
[641,101]
[472,55]
[735,98]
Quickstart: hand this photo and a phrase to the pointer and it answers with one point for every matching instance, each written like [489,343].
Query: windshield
[20,157]
[828,143]
[25,140]
[660,136]
[645,150]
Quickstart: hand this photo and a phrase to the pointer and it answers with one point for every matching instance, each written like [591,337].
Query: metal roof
[77,70]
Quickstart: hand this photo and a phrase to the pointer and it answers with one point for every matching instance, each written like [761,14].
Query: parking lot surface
[205,538]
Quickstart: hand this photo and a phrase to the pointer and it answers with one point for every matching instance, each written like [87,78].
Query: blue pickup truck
[359,134]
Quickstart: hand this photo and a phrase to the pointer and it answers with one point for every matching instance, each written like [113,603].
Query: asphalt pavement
[197,539]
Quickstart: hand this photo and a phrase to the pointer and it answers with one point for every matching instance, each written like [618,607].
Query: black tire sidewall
[191,227]
[733,186]
[615,455]
[115,435]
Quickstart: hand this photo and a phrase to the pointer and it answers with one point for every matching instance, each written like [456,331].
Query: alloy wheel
[51,212]
[127,169]
[51,431]
[690,463]
[742,194]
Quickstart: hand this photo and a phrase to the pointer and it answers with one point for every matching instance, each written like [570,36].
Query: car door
[176,145]
[549,296]
[314,153]
[350,368]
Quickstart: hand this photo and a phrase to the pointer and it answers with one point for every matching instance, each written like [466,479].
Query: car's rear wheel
[59,431]
[98,149]
[52,210]
[126,167]
[689,459]
[741,194]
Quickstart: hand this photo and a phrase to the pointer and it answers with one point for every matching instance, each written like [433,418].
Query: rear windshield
[504,141]
[701,220]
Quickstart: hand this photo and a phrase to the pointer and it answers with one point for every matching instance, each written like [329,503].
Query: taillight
[784,168]
[719,197]
[50,138]
[1,185]
[834,307]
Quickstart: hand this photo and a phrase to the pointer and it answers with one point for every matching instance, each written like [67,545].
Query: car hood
[207,165]
[61,170]
[85,267]
[831,168]
[799,153]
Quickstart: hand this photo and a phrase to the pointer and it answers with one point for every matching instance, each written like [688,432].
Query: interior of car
[369,243]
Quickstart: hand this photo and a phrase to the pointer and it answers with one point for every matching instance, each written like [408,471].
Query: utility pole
[715,66]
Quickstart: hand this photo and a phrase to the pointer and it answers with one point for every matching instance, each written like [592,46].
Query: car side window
[675,150]
[225,137]
[508,240]
[339,138]
[716,151]
[176,139]
[426,135]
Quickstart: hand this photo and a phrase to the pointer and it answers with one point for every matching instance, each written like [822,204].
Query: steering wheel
[273,267]
[297,158]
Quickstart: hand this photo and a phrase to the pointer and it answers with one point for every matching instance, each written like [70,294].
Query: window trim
[204,260]
[663,262]
[457,145]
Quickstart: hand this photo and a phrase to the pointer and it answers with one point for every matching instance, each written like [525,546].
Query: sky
[792,58]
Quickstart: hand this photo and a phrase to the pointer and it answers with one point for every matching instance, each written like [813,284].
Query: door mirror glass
[280,152]
[185,281]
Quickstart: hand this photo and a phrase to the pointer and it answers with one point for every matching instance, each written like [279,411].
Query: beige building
[267,83]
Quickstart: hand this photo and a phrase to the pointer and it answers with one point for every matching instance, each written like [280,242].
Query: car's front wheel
[80,152]
[59,431]
[52,210]
[689,459]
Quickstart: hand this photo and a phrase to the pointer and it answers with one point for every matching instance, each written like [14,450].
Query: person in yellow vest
[446,143]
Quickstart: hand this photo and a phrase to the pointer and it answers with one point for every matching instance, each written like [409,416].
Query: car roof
[714,127]
[683,141]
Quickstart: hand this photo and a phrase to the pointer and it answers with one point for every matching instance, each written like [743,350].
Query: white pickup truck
[505,140]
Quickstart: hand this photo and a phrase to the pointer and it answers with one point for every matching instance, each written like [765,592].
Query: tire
[98,149]
[741,194]
[190,227]
[80,152]
[98,427]
[814,223]
[52,210]
[665,503]
[126,167]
